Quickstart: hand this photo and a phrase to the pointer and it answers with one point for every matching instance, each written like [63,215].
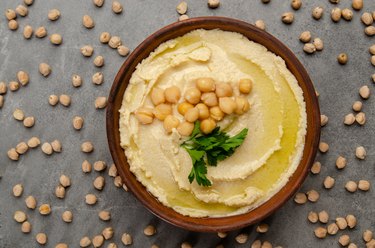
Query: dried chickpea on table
[71,163]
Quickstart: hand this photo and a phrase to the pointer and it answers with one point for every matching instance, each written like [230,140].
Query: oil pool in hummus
[276,124]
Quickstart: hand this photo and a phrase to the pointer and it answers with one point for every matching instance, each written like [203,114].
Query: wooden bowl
[223,223]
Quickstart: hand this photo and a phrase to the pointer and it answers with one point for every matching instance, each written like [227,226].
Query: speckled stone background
[338,87]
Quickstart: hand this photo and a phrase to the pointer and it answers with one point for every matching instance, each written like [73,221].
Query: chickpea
[209,99]
[144,115]
[170,122]
[227,105]
[193,95]
[245,85]
[242,105]
[184,107]
[223,90]
[216,113]
[207,126]
[185,128]
[205,84]
[162,111]
[157,96]
[204,112]
[172,94]
[192,115]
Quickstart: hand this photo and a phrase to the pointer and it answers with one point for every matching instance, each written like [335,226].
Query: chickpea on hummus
[223,80]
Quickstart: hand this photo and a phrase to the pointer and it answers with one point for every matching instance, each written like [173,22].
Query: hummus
[276,125]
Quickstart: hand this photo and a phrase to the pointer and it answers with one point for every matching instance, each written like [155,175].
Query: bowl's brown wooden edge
[225,223]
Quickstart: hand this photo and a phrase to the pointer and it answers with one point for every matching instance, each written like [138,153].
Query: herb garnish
[209,149]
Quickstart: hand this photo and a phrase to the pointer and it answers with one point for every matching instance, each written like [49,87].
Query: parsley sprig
[209,149]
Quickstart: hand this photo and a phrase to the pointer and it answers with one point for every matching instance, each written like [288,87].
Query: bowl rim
[213,224]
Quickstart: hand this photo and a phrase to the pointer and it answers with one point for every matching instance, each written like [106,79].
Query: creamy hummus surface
[276,124]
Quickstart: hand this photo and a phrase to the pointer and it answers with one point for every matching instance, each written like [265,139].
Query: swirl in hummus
[276,124]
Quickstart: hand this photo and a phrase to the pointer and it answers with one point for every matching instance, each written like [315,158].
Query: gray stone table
[338,87]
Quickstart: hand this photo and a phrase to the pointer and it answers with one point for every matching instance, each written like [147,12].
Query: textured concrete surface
[338,87]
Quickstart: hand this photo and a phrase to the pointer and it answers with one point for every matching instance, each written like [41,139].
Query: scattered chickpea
[61,245]
[309,48]
[360,118]
[352,245]
[113,245]
[87,147]
[104,215]
[349,119]
[10,14]
[320,232]
[364,92]
[367,19]
[260,24]
[150,230]
[351,220]
[47,148]
[332,229]
[182,8]
[87,50]
[316,167]
[126,239]
[98,3]
[60,191]
[98,241]
[357,106]
[360,152]
[296,4]
[13,25]
[287,17]
[323,217]
[193,95]
[44,69]
[207,126]
[64,181]
[144,115]
[170,123]
[364,185]
[305,36]
[104,37]
[22,148]
[97,78]
[123,50]
[344,240]
[118,182]
[183,17]
[367,235]
[351,186]
[107,233]
[77,122]
[88,22]
[65,100]
[317,13]
[85,242]
[323,120]
[12,154]
[323,147]
[76,80]
[114,42]
[116,7]
[213,4]
[18,114]
[112,172]
[41,238]
[26,227]
[216,113]
[91,199]
[14,86]
[67,216]
[370,31]
[334,1]
[372,49]
[45,209]
[53,14]
[347,14]
[312,195]
[101,102]
[192,115]
[29,121]
[23,77]
[300,198]
[100,166]
[341,162]
[342,58]
[56,39]
[86,166]
[210,99]
[33,142]
[30,202]
[312,217]
[22,10]
[242,238]
[19,216]
[17,190]
[99,61]
[99,183]
[172,94]
[372,60]
[27,32]
[1,101]
[3,88]
[329,182]
[205,84]
[53,100]
[357,4]
[262,228]
[40,32]
[336,14]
